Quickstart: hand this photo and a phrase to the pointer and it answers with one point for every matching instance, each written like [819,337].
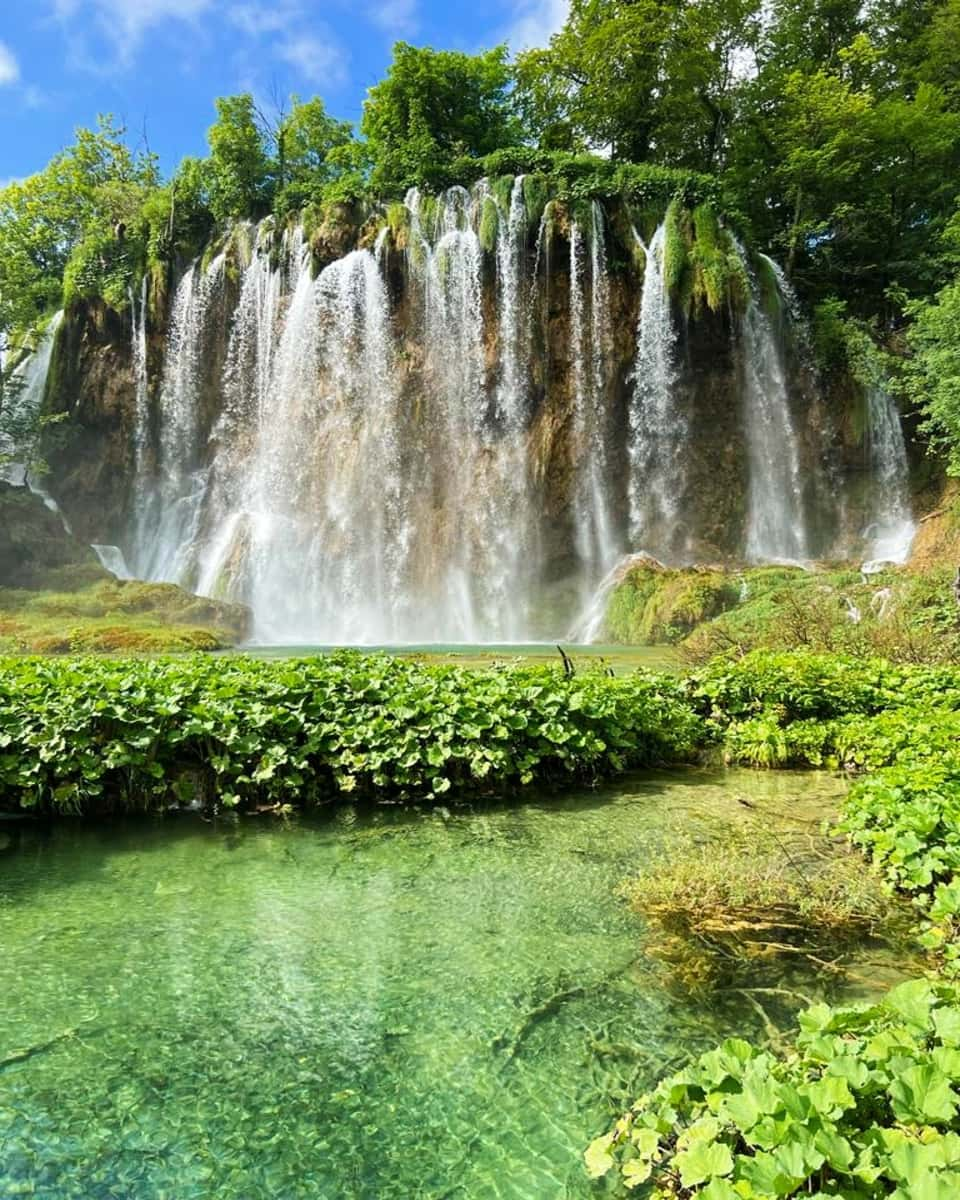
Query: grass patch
[898,614]
[713,907]
[653,604]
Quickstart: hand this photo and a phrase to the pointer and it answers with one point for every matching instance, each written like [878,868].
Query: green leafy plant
[87,734]
[865,1107]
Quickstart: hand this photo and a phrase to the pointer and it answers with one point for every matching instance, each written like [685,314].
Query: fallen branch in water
[28,1052]
[547,1007]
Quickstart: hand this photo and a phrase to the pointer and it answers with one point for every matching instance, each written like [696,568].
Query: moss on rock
[653,604]
[115,616]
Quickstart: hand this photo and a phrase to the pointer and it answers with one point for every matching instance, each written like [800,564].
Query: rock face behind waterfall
[429,429]
[92,380]
[35,550]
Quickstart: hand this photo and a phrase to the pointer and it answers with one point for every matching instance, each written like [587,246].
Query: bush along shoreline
[95,735]
[867,1103]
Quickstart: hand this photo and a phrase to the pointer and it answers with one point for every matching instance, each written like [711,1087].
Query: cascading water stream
[595,526]
[327,546]
[173,484]
[29,385]
[373,453]
[776,524]
[890,531]
[659,428]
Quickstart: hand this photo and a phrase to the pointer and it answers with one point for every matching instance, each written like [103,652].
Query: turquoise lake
[359,1004]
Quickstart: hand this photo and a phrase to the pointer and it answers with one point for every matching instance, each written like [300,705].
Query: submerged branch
[550,1005]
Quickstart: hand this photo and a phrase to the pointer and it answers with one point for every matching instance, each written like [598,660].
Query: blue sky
[158,64]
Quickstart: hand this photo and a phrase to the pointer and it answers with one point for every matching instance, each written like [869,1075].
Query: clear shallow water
[347,1006]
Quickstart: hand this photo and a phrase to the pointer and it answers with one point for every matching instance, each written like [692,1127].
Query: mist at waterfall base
[363,467]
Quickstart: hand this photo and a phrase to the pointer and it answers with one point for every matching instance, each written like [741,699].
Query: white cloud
[123,23]
[256,20]
[9,67]
[315,60]
[395,17]
[535,22]
[268,31]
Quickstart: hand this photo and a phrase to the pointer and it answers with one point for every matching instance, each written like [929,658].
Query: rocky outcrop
[35,549]
[937,542]
[92,388]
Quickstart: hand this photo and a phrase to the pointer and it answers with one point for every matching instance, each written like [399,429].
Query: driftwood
[548,1007]
[28,1052]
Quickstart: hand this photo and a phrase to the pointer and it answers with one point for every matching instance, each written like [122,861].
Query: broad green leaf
[702,1161]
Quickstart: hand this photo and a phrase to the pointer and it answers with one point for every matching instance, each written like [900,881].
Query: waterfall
[325,525]
[174,482]
[373,454]
[29,385]
[776,527]
[595,526]
[25,392]
[512,551]
[658,427]
[512,309]
[891,527]
[31,377]
[112,560]
[141,411]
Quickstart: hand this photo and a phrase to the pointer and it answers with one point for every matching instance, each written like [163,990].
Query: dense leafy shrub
[820,686]
[85,734]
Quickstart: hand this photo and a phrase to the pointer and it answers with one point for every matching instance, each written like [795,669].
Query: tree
[91,187]
[238,167]
[841,159]
[599,76]
[436,106]
[305,141]
[649,80]
[932,371]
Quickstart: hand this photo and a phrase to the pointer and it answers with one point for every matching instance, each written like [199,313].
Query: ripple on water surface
[381,1005]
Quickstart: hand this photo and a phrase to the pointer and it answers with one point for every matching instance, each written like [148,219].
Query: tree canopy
[434,106]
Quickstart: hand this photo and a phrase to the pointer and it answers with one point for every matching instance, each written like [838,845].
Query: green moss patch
[115,616]
[653,604]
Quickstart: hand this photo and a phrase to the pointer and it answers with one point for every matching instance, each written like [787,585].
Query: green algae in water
[377,1005]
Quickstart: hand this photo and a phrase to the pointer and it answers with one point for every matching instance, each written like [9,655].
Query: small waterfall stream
[29,381]
[776,523]
[171,493]
[890,531]
[658,427]
[597,540]
[28,395]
